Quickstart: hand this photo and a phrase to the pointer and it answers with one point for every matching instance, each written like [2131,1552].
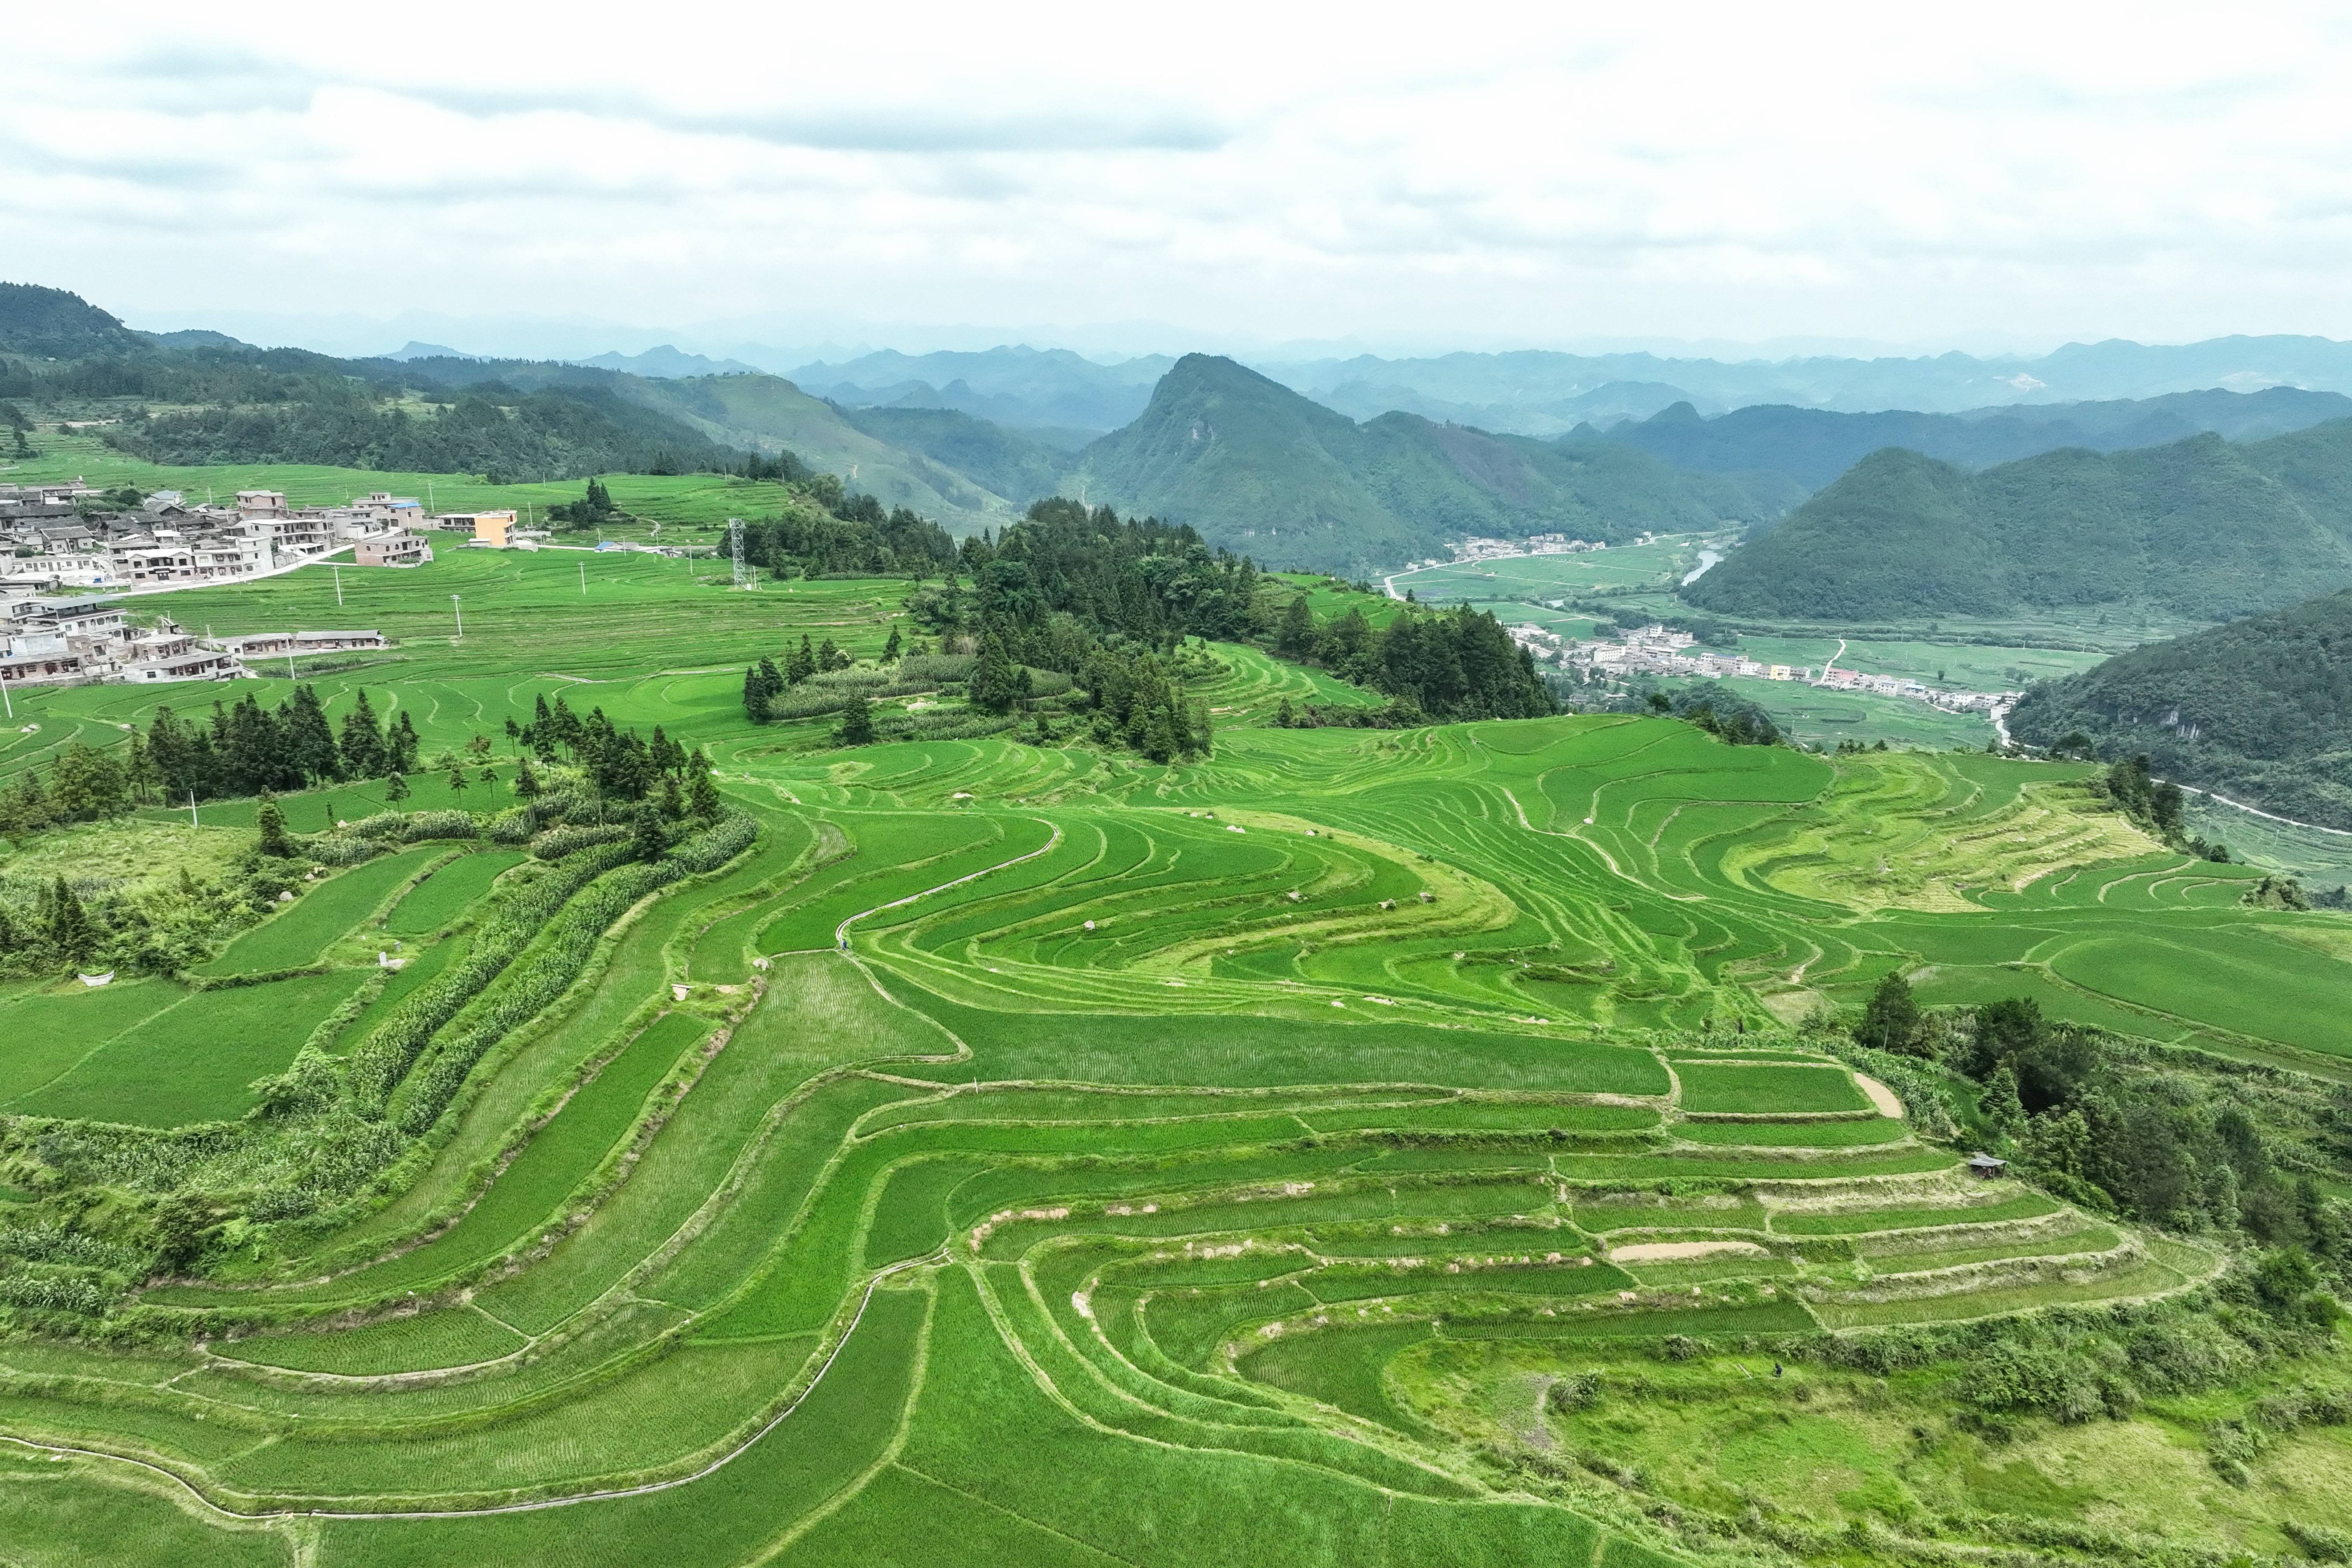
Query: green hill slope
[2201,527]
[1257,467]
[765,412]
[1000,461]
[2260,709]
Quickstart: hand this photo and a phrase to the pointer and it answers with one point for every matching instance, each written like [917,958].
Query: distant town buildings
[84,641]
[1657,650]
[61,537]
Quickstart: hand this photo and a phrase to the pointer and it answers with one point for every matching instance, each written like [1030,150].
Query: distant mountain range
[1525,390]
[1259,469]
[1814,446]
[2202,528]
[667,363]
[2077,504]
[1024,386]
[2260,709]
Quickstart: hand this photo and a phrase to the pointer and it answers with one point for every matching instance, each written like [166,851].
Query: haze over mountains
[1905,526]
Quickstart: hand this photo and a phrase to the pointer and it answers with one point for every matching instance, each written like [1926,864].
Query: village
[1657,650]
[81,555]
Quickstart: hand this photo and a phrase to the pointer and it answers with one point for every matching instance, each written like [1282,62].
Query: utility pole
[191,810]
[4,698]
[584,579]
[459,611]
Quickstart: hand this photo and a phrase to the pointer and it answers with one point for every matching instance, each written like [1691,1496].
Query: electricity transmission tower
[743,575]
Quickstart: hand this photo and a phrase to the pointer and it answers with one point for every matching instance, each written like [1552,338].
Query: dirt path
[1889,1103]
[1670,1251]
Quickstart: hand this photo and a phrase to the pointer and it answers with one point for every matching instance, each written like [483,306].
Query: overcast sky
[1199,175]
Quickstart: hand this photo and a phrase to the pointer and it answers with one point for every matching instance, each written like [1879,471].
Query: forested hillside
[1255,466]
[999,460]
[1814,446]
[2260,709]
[492,430]
[2201,527]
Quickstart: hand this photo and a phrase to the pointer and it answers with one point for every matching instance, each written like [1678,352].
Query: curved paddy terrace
[1022,1155]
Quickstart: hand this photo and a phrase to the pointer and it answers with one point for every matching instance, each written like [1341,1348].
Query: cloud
[1497,173]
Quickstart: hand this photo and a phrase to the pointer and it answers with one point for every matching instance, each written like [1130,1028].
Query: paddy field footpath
[1025,1154]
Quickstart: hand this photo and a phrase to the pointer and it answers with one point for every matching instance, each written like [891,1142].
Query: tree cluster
[593,510]
[852,534]
[244,749]
[1450,664]
[622,763]
[2087,1116]
[1142,579]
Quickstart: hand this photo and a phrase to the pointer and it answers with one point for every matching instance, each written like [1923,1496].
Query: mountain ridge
[2202,529]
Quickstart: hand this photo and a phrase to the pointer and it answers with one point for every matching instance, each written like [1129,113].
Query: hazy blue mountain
[1814,446]
[668,363]
[1009,385]
[1520,384]
[1603,406]
[415,350]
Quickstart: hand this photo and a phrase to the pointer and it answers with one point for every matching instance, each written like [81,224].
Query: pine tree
[401,748]
[395,789]
[702,796]
[856,726]
[651,840]
[1297,638]
[456,779]
[269,828]
[1285,717]
[757,690]
[309,739]
[70,933]
[362,748]
[801,664]
[991,688]
[673,803]
[1999,1104]
[891,649]
[526,782]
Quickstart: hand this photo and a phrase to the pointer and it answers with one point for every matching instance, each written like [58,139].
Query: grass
[195,1060]
[302,934]
[1247,1137]
[1764,1087]
[447,893]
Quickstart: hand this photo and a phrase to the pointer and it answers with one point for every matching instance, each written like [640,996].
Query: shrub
[558,842]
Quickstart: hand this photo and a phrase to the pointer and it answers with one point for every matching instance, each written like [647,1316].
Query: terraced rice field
[1026,1155]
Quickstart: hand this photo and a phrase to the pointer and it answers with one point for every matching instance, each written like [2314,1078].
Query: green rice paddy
[1025,1154]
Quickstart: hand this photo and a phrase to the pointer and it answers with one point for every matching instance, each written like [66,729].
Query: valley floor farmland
[1020,1154]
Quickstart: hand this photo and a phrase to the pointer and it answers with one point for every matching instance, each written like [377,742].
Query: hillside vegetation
[2260,709]
[1255,466]
[2202,529]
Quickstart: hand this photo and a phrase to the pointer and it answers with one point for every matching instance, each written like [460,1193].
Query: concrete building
[401,547]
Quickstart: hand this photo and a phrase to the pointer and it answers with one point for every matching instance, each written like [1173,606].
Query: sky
[1134,179]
